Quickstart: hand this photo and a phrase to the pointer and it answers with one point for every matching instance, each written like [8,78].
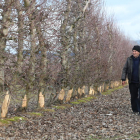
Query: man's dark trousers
[135,100]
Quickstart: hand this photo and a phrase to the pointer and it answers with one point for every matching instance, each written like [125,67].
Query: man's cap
[136,47]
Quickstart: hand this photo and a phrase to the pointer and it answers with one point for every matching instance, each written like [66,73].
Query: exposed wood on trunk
[24,101]
[61,94]
[5,105]
[41,100]
[69,95]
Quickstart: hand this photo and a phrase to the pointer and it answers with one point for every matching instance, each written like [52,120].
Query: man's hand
[123,83]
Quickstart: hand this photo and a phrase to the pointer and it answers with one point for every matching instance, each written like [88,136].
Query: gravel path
[107,117]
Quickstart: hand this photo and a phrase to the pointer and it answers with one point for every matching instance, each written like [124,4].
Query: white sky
[127,16]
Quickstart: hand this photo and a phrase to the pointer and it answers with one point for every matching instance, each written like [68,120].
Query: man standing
[132,69]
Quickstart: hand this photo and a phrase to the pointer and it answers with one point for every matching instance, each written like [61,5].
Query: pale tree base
[5,105]
[24,101]
[23,106]
[41,100]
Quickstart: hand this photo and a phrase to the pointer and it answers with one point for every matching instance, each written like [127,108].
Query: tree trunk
[30,6]
[5,105]
[43,66]
[5,24]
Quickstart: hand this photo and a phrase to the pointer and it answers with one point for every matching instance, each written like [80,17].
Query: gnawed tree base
[41,100]
[69,95]
[23,107]
[5,105]
[61,96]
[24,101]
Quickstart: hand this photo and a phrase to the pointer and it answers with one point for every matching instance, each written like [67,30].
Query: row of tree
[58,44]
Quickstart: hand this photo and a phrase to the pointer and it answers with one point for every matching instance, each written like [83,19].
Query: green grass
[49,110]
[108,92]
[59,107]
[4,121]
[90,98]
[83,100]
[35,113]
[9,120]
[75,103]
[80,101]
[15,118]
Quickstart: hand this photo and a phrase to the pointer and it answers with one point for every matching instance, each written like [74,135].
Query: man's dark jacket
[127,70]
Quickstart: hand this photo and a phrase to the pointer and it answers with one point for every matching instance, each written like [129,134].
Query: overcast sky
[127,15]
